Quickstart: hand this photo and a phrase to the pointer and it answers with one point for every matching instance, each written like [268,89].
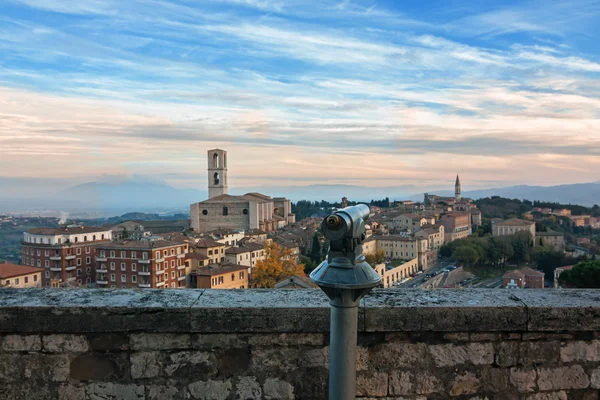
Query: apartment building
[399,248]
[20,276]
[512,226]
[210,248]
[220,276]
[248,254]
[390,275]
[414,222]
[456,226]
[67,254]
[142,264]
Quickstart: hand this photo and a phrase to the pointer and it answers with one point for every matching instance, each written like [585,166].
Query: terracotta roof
[141,244]
[515,274]
[531,272]
[206,242]
[566,268]
[515,222]
[12,270]
[67,231]
[196,256]
[253,232]
[218,269]
[246,248]
[227,198]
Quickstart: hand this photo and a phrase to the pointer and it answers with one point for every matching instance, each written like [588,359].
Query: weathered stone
[94,367]
[495,380]
[190,364]
[146,364]
[248,388]
[219,341]
[408,383]
[65,343]
[580,351]
[398,355]
[10,367]
[210,390]
[57,367]
[484,337]
[559,336]
[163,392]
[362,359]
[535,353]
[457,336]
[573,377]
[233,362]
[510,336]
[287,339]
[160,341]
[533,336]
[393,337]
[27,390]
[595,379]
[21,343]
[109,342]
[507,354]
[446,355]
[371,383]
[549,396]
[523,379]
[71,392]
[275,389]
[466,383]
[116,391]
[286,359]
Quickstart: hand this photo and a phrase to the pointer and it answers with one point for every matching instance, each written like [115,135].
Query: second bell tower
[217,173]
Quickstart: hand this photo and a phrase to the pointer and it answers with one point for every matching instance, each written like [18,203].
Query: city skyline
[362,93]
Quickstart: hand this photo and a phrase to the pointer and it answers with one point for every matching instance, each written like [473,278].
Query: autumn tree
[375,258]
[278,265]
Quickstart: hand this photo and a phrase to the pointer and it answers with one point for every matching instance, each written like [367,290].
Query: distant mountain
[585,194]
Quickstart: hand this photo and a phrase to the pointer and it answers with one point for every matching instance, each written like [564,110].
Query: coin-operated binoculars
[345,277]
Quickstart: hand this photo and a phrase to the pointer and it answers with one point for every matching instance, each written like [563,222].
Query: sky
[372,93]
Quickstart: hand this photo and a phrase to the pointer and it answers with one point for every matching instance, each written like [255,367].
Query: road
[419,279]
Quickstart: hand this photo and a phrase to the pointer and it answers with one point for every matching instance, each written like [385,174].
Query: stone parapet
[274,344]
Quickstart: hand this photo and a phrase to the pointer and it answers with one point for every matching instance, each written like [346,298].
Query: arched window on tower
[217,179]
[215,160]
[225,211]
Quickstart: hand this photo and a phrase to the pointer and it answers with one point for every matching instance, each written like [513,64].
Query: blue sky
[376,93]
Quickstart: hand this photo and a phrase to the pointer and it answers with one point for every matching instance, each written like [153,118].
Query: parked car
[451,267]
[418,272]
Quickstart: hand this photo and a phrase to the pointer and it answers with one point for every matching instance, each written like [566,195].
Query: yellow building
[224,276]
[391,275]
[20,276]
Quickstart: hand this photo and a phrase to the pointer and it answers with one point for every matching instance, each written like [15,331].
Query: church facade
[224,211]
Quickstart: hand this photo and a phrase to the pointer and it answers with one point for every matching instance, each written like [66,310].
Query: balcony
[160,272]
[70,267]
[160,260]
[181,278]
[144,285]
[71,257]
[55,258]
[143,261]
[181,267]
[72,279]
[144,273]
[56,269]
[181,255]
[101,259]
[102,270]
[160,284]
[101,282]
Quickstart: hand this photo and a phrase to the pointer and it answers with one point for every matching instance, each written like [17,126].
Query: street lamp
[345,277]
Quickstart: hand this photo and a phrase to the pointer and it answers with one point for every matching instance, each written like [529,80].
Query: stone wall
[273,344]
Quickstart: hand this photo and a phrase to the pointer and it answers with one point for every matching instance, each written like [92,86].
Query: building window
[221,280]
[172,252]
[225,211]
[204,212]
[47,274]
[210,252]
[173,275]
[134,278]
[173,285]
[241,274]
[17,281]
[102,236]
[166,276]
[123,254]
[78,251]
[112,266]
[39,263]
[26,279]
[39,252]
[47,253]
[144,256]
[133,254]
[113,278]
[157,267]
[123,267]
[88,270]
[245,211]
[134,267]
[233,277]
[166,253]
[85,238]
[179,250]
[88,260]
[79,272]
[35,278]
[158,254]
[112,253]
[88,280]
[94,238]
[123,278]
[79,261]
[76,239]
[172,263]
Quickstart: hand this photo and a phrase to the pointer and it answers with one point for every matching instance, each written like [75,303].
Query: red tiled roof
[10,270]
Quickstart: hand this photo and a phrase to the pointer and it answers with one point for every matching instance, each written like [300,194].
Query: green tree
[467,255]
[376,258]
[493,251]
[505,249]
[583,275]
[309,264]
[315,254]
[445,251]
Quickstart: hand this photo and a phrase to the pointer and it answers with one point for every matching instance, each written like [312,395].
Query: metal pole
[342,350]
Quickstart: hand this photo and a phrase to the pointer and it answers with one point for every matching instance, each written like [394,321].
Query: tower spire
[457,195]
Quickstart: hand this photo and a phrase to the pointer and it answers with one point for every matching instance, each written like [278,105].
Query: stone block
[275,389]
[494,380]
[43,367]
[447,355]
[406,383]
[549,396]
[146,364]
[287,359]
[21,343]
[507,353]
[95,367]
[559,336]
[523,379]
[536,353]
[572,377]
[287,339]
[109,342]
[580,351]
[510,336]
[210,390]
[533,336]
[233,362]
[190,364]
[163,392]
[457,336]
[160,341]
[115,391]
[371,383]
[210,341]
[248,388]
[484,337]
[595,378]
[398,355]
[65,344]
[463,384]
[68,391]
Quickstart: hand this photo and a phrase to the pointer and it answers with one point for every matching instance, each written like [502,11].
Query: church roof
[457,181]
[258,196]
[226,198]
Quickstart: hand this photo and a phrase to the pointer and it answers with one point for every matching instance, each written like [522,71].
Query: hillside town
[439,242]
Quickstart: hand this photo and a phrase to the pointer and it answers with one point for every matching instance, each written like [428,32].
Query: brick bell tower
[217,173]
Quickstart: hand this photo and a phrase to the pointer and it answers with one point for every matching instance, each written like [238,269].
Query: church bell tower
[457,195]
[217,173]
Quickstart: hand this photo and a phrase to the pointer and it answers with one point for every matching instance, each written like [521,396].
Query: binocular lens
[334,222]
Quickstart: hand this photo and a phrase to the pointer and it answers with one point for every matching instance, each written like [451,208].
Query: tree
[315,254]
[278,265]
[445,251]
[467,255]
[505,249]
[493,251]
[377,258]
[583,275]
[309,265]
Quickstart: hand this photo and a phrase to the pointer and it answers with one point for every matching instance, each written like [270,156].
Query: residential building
[523,278]
[67,254]
[256,235]
[228,237]
[210,248]
[512,226]
[220,276]
[399,248]
[563,212]
[557,273]
[128,230]
[414,222]
[434,234]
[390,275]
[248,254]
[224,211]
[551,238]
[457,225]
[142,264]
[20,276]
